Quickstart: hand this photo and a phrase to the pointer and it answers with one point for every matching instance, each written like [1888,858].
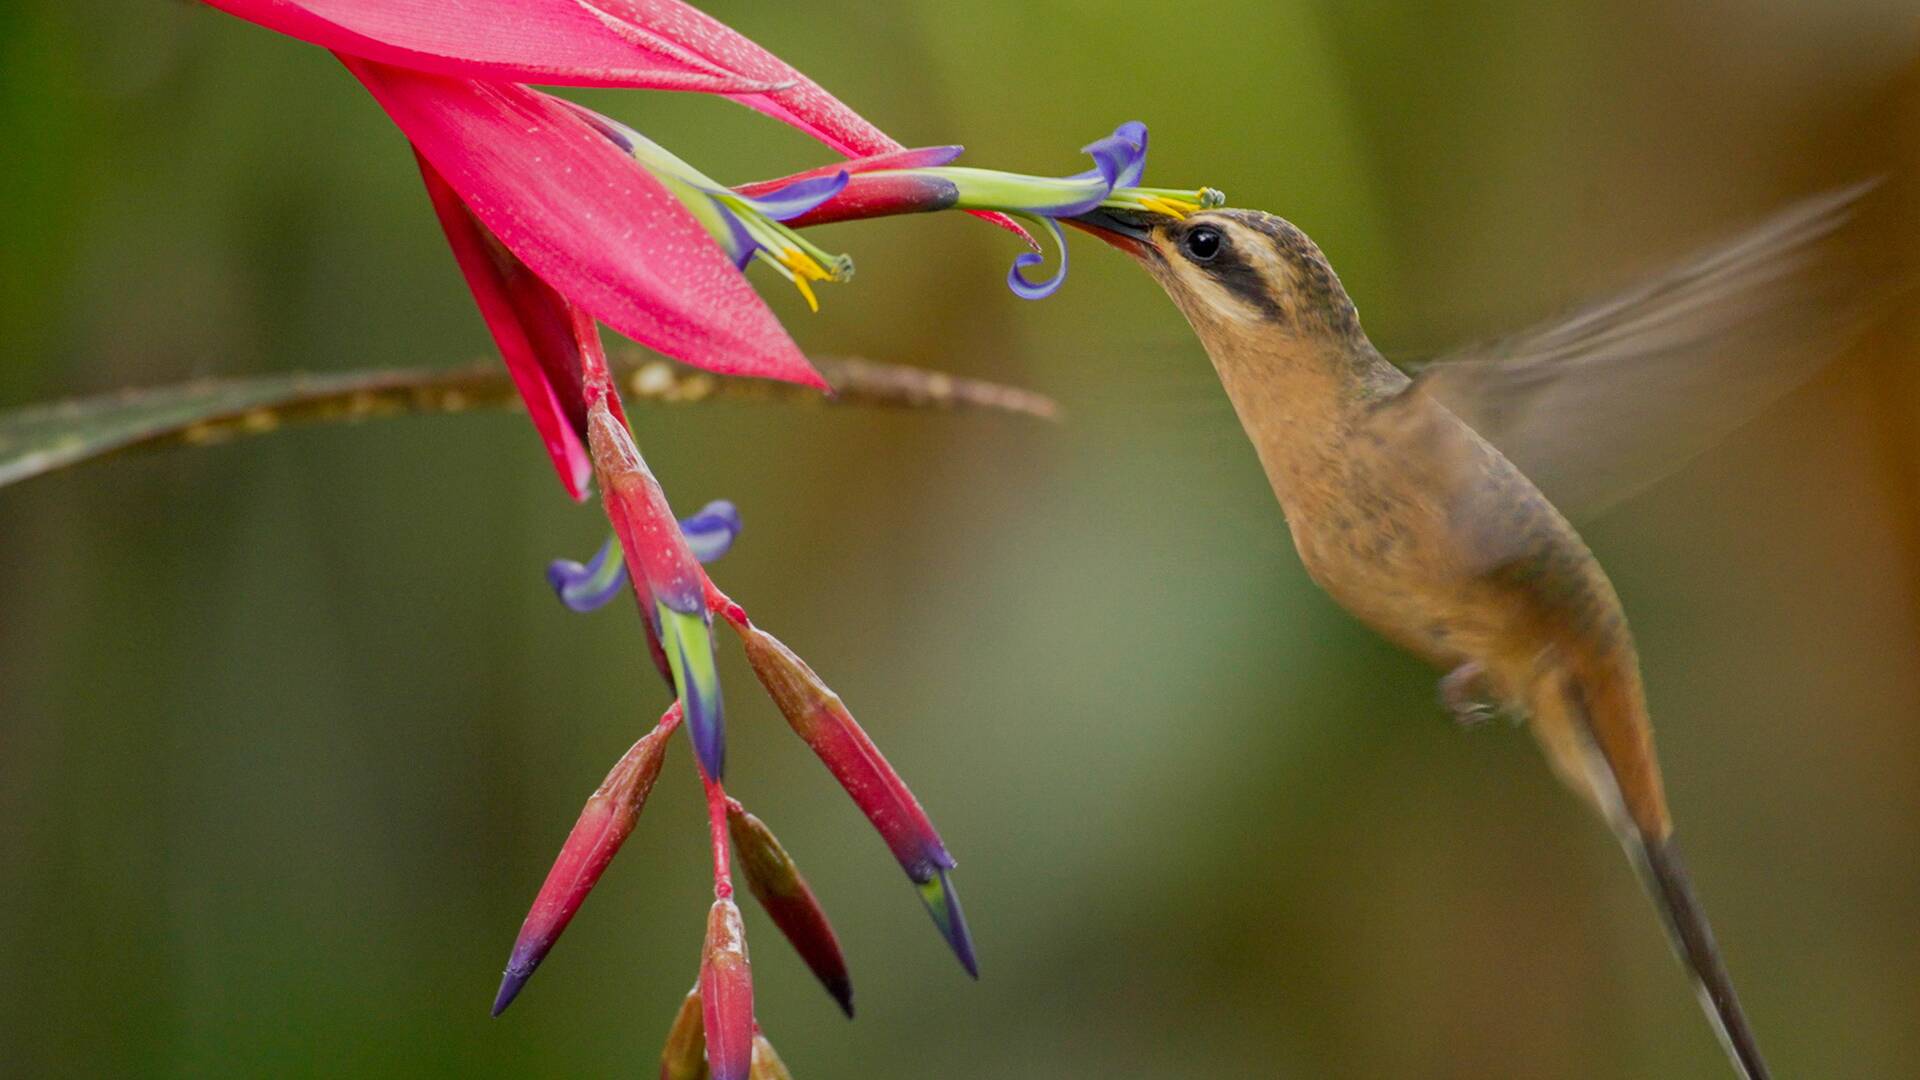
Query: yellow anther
[806,290]
[1178,208]
[804,268]
[805,265]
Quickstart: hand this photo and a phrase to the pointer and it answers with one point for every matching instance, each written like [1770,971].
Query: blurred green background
[290,729]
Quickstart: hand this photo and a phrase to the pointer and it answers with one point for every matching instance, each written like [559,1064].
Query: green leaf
[36,439]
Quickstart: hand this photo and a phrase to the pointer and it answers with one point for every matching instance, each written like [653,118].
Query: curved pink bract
[561,42]
[589,220]
[526,318]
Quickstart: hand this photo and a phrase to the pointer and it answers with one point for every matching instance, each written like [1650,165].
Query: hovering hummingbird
[1407,499]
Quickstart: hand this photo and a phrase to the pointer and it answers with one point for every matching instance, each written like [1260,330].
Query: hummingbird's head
[1235,273]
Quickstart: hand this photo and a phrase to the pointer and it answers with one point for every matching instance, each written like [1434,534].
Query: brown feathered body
[1419,526]
[1424,531]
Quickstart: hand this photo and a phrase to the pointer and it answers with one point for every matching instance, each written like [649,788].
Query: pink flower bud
[604,825]
[776,882]
[685,1055]
[726,994]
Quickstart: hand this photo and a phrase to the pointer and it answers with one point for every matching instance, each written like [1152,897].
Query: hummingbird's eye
[1202,244]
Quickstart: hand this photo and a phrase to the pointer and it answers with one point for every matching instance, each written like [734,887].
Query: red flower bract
[589,220]
[726,993]
[554,226]
[604,825]
[566,208]
[789,901]
[561,42]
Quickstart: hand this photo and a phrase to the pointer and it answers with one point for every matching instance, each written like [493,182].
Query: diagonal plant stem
[36,439]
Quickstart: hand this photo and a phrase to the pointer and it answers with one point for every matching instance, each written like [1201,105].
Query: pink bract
[589,220]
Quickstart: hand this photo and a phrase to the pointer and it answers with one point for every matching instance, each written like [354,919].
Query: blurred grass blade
[36,439]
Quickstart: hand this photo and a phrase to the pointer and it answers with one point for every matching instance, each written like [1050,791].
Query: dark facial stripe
[1234,273]
[1314,281]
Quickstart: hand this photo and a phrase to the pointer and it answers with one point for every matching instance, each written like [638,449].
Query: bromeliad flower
[552,226]
[561,219]
[680,603]
[665,561]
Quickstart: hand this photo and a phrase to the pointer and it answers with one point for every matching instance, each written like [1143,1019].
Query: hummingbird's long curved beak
[1130,231]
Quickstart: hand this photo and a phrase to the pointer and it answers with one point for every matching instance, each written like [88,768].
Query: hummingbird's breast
[1430,536]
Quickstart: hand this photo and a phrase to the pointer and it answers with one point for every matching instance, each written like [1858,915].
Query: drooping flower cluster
[560,219]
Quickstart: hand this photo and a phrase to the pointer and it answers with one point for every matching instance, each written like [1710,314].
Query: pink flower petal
[589,220]
[532,325]
[802,103]
[544,41]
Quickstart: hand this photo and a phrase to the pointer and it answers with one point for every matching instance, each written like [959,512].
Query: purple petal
[1135,132]
[711,531]
[1120,159]
[789,202]
[740,245]
[1038,290]
[583,588]
[589,587]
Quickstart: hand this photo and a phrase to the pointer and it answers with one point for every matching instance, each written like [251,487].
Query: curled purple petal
[1039,290]
[589,587]
[1135,132]
[711,531]
[710,534]
[1120,159]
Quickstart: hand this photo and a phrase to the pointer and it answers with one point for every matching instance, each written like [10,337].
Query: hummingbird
[1409,498]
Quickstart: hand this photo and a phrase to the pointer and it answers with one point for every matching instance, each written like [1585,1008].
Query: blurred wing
[1600,405]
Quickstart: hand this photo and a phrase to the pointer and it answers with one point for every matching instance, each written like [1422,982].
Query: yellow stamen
[804,267]
[806,290]
[1178,208]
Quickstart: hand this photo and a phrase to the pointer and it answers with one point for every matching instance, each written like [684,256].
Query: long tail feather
[1647,836]
[1672,891]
